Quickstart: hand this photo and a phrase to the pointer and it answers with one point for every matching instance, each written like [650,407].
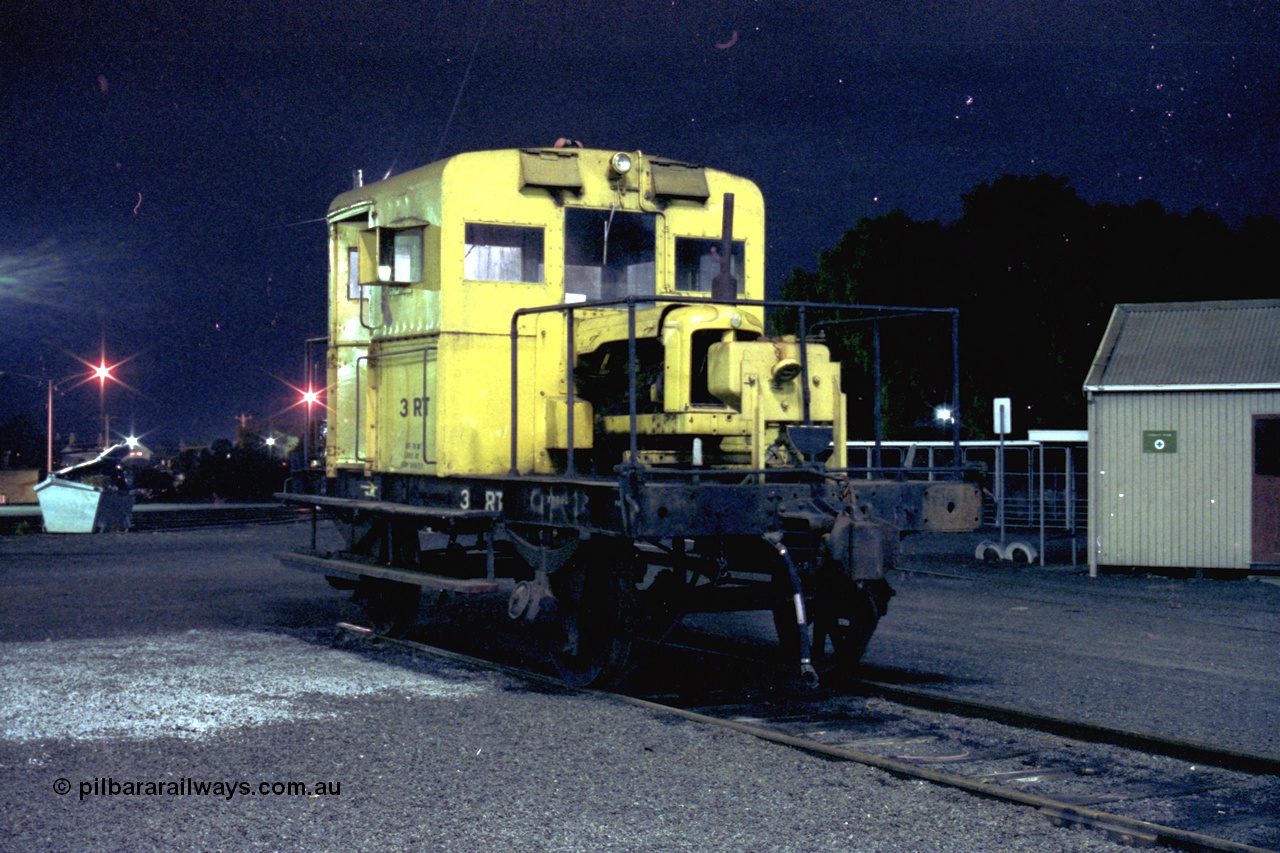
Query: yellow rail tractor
[549,378]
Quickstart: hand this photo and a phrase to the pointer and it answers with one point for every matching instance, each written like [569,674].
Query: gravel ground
[138,668]
[490,765]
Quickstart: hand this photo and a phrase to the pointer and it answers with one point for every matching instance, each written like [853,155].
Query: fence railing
[1045,484]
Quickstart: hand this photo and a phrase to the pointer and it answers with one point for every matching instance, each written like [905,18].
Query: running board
[352,570]
[448,519]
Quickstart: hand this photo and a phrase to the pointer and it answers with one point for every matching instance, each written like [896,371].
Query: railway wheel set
[591,605]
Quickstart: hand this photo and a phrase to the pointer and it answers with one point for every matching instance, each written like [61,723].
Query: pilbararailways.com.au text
[108,786]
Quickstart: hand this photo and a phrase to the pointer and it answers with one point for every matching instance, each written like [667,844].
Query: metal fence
[1038,485]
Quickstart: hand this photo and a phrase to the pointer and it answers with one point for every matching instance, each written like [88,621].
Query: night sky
[163,164]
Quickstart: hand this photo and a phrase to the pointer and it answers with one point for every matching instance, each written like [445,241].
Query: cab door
[1266,488]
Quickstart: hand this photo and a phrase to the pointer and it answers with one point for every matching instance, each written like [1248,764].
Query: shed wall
[1189,509]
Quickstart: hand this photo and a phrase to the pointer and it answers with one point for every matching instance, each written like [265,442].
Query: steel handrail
[877,313]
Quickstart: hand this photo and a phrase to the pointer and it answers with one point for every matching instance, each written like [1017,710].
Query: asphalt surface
[1187,658]
[174,684]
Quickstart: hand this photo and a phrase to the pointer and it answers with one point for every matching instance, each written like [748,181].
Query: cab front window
[698,262]
[608,254]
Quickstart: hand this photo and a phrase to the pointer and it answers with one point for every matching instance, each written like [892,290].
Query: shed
[1184,437]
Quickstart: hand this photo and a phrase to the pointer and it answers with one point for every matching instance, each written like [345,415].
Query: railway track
[1136,788]
[173,517]
[155,517]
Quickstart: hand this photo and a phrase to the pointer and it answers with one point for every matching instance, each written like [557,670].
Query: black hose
[807,673]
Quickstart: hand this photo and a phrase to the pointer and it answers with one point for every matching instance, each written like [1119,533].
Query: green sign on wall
[1159,441]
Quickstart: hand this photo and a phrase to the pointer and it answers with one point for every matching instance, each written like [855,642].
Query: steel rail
[163,517]
[1152,744]
[1125,829]
[1118,827]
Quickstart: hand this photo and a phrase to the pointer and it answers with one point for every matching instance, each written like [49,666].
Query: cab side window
[503,253]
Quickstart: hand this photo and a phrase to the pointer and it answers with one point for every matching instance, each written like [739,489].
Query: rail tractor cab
[550,378]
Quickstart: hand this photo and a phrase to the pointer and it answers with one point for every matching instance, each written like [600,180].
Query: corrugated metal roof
[1208,345]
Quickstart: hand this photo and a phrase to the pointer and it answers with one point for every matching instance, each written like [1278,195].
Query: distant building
[17,486]
[1184,437]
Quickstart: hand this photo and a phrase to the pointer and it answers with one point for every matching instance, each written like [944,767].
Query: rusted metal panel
[939,507]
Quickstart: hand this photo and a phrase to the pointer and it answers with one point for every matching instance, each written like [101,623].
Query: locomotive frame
[659,453]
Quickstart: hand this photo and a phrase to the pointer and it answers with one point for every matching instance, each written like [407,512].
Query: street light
[102,371]
[310,396]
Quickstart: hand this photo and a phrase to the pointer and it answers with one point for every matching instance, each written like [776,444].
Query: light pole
[48,445]
[49,384]
[311,397]
[102,372]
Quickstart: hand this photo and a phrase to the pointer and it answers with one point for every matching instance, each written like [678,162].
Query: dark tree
[1035,271]
[22,443]
[227,471]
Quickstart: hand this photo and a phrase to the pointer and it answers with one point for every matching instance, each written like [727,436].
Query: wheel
[390,607]
[591,641]
[844,619]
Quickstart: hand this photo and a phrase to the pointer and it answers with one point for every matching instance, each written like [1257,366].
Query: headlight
[785,371]
[620,163]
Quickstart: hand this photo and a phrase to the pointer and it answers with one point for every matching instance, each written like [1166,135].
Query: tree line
[1035,272]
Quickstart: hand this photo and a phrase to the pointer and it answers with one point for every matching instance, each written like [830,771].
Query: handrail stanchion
[804,367]
[634,444]
[515,398]
[955,387]
[879,432]
[569,390]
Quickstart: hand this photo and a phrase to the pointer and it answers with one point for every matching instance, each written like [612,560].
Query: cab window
[400,255]
[608,254]
[353,272]
[698,263]
[503,253]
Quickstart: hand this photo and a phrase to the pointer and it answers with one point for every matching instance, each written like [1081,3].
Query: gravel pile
[188,685]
